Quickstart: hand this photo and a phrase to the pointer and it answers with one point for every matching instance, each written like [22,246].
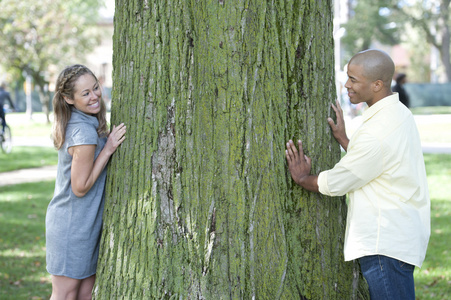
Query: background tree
[38,35]
[392,21]
[199,203]
[434,20]
[369,21]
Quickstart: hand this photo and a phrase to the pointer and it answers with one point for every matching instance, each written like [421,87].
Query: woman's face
[87,95]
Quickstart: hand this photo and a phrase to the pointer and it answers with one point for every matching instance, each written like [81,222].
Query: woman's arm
[85,170]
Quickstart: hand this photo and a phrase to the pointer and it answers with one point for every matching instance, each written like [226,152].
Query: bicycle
[6,139]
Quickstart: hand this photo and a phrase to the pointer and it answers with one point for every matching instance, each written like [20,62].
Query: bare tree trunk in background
[445,36]
[28,99]
[199,202]
[44,97]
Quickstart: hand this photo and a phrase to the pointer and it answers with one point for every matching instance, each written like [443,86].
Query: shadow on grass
[28,278]
[433,280]
[22,241]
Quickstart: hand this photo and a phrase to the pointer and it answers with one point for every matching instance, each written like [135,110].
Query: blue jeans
[388,278]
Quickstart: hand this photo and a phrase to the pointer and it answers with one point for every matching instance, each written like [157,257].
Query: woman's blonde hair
[65,85]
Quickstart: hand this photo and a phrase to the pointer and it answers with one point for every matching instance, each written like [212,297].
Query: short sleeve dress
[73,224]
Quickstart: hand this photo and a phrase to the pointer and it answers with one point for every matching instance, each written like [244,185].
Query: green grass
[22,241]
[433,280]
[28,157]
[22,126]
[430,134]
[431,110]
[435,128]
[23,208]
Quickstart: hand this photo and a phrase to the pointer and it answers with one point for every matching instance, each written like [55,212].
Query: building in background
[100,61]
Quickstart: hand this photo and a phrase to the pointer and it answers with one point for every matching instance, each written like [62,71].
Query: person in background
[383,173]
[74,215]
[401,79]
[4,95]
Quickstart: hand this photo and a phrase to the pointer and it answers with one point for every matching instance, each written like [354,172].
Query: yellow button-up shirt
[383,172]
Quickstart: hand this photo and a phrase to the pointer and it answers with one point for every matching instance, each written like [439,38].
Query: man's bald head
[377,65]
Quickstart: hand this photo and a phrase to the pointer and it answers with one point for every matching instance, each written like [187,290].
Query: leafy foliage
[370,22]
[38,35]
[387,21]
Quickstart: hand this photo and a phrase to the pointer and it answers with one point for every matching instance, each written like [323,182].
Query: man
[388,222]
[4,95]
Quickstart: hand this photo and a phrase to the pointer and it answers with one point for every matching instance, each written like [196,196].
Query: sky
[108,11]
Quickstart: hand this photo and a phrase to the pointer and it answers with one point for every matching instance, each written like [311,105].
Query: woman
[74,215]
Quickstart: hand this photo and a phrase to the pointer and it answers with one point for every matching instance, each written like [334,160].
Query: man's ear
[378,85]
[69,101]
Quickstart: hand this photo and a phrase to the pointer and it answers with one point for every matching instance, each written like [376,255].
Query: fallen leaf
[17,283]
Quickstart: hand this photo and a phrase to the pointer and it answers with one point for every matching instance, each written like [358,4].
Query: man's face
[358,86]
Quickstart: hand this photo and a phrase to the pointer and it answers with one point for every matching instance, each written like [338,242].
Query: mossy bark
[199,202]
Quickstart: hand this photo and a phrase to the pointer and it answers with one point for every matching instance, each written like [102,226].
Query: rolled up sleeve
[358,167]
[322,183]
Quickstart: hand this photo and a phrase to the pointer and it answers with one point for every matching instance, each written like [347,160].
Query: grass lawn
[22,126]
[23,207]
[433,280]
[22,241]
[28,157]
[431,110]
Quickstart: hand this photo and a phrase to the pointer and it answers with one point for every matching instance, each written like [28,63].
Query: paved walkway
[32,141]
[28,175]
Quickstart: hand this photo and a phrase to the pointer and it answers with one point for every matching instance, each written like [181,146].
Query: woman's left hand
[115,138]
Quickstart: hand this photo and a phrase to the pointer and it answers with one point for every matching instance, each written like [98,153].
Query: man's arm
[300,166]
[339,129]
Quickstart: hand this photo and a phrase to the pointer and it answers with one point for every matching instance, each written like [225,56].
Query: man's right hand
[339,129]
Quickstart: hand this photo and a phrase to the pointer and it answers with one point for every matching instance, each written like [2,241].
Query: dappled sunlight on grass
[21,125]
[433,280]
[28,157]
[22,241]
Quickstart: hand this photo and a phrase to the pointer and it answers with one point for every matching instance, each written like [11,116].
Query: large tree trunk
[199,203]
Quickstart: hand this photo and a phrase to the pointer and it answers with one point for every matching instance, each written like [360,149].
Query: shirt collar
[384,102]
[78,116]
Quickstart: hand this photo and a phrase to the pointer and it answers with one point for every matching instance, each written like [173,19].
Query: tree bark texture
[199,201]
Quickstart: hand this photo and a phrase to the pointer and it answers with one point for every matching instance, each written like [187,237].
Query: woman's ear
[69,101]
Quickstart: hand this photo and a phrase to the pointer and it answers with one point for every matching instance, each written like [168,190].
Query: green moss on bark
[199,203]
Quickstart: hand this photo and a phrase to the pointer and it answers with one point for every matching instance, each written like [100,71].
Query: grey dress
[73,224]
